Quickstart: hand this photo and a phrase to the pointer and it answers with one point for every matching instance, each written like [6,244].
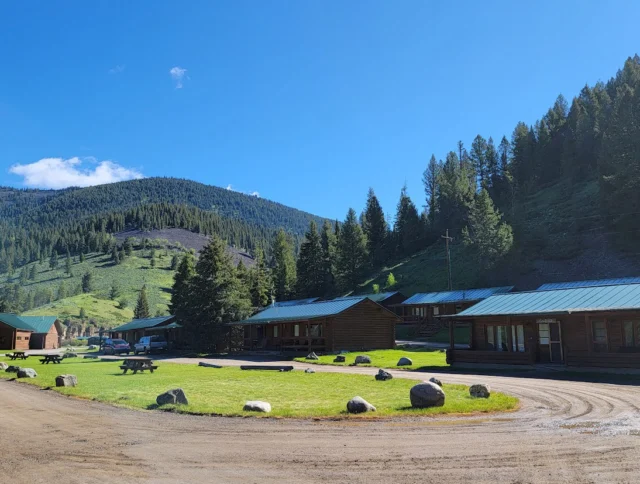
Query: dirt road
[569,432]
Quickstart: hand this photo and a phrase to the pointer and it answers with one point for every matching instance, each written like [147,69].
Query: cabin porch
[296,336]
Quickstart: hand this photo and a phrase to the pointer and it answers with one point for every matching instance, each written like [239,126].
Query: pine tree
[175,261]
[493,166]
[81,257]
[67,264]
[62,290]
[141,310]
[87,283]
[152,263]
[115,255]
[83,314]
[430,179]
[456,194]
[53,261]
[479,160]
[352,254]
[181,290]
[260,281]
[128,246]
[328,244]
[310,278]
[284,271]
[407,229]
[24,276]
[32,273]
[114,292]
[243,273]
[217,298]
[487,235]
[376,229]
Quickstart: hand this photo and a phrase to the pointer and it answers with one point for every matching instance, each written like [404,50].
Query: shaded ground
[573,432]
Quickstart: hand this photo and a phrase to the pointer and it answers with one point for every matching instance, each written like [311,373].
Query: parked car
[115,347]
[149,344]
[96,340]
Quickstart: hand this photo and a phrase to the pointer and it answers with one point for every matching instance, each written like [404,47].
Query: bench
[51,359]
[137,364]
[18,355]
[136,370]
[267,367]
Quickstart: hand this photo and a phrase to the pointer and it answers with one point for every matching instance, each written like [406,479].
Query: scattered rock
[480,391]
[363,359]
[208,365]
[426,394]
[66,381]
[359,405]
[383,375]
[340,359]
[309,370]
[433,379]
[174,397]
[312,356]
[93,347]
[404,361]
[257,406]
[27,373]
[70,354]
[3,365]
[12,369]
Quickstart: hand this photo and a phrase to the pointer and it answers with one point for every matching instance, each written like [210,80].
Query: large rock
[312,356]
[340,359]
[359,405]
[404,361]
[433,379]
[3,365]
[309,370]
[27,373]
[480,391]
[172,397]
[12,369]
[66,381]
[426,394]
[383,375]
[363,360]
[93,347]
[70,354]
[257,406]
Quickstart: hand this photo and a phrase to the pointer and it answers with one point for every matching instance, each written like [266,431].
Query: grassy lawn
[421,358]
[224,391]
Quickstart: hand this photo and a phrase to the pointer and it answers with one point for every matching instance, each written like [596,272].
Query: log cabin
[580,324]
[29,332]
[325,326]
[422,310]
[165,326]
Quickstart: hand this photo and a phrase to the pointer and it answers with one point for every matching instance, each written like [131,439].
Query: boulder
[480,391]
[340,359]
[27,373]
[3,365]
[383,375]
[93,347]
[433,379]
[12,369]
[70,354]
[312,356]
[359,405]
[173,397]
[404,361]
[66,381]
[309,370]
[257,406]
[426,394]
[363,360]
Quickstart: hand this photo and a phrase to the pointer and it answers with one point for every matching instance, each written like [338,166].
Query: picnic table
[137,364]
[18,355]
[51,359]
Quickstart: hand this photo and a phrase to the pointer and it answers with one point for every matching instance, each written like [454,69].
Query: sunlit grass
[421,357]
[224,391]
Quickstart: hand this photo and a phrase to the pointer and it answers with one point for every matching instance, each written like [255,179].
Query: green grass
[129,277]
[224,391]
[421,358]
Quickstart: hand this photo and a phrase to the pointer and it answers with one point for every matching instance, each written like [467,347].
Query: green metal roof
[168,326]
[301,312]
[142,323]
[590,283]
[375,297]
[455,296]
[296,302]
[571,300]
[36,324]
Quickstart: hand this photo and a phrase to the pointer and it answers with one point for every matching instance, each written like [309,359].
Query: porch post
[309,335]
[451,334]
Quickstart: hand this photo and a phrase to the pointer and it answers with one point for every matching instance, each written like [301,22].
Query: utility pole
[447,239]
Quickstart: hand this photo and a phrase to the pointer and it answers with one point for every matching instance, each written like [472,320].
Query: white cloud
[178,74]
[59,173]
[253,194]
[117,69]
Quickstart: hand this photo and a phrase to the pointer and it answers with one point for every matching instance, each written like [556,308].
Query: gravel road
[565,432]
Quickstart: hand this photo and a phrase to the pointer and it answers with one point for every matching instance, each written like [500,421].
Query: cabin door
[549,341]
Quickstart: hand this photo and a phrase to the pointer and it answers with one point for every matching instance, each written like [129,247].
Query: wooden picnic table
[51,359]
[18,355]
[137,364]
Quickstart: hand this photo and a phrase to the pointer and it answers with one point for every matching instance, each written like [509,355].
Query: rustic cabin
[165,326]
[326,326]
[421,310]
[29,332]
[586,324]
[389,300]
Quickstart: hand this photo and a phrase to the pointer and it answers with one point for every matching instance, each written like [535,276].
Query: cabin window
[544,334]
[26,338]
[436,310]
[517,338]
[497,338]
[19,338]
[275,331]
[296,330]
[631,334]
[599,330]
[316,331]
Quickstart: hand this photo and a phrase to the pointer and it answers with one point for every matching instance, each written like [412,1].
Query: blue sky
[307,103]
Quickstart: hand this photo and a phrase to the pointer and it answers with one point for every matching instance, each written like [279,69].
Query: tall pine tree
[284,270]
[376,229]
[181,290]
[141,310]
[309,265]
[352,254]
